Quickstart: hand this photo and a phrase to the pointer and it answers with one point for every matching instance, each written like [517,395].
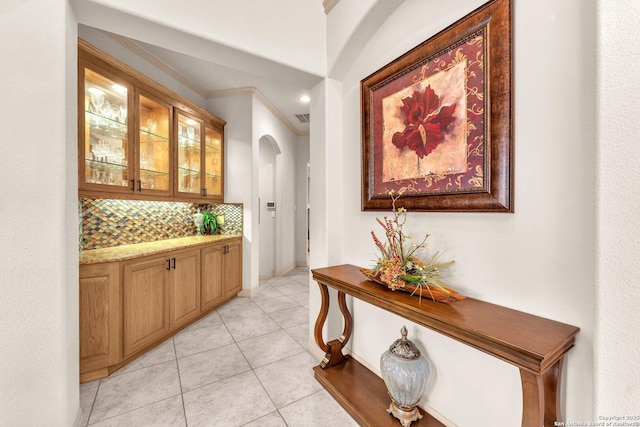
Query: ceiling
[280,92]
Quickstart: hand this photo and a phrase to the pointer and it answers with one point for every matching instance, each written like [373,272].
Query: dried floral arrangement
[398,266]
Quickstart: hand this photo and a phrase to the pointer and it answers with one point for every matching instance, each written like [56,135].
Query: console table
[534,344]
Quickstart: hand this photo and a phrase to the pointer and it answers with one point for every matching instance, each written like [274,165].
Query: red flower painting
[426,122]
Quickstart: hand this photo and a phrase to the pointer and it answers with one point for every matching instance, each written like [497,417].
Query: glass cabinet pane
[213,162]
[154,145]
[106,148]
[189,156]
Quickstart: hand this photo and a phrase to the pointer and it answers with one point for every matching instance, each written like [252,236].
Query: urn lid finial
[404,348]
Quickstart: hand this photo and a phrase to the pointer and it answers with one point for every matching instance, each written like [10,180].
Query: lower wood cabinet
[184,288]
[221,273]
[145,303]
[212,277]
[232,268]
[128,307]
[100,336]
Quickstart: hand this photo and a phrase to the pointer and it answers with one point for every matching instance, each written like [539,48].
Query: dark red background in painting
[476,139]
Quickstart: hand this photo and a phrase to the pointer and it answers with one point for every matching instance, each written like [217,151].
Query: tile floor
[245,364]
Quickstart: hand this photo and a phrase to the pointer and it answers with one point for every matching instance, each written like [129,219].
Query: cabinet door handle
[139,185]
[174,263]
[133,185]
[168,265]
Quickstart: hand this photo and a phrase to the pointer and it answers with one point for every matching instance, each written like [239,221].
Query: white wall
[267,221]
[266,123]
[618,199]
[272,29]
[38,211]
[539,259]
[240,184]
[302,159]
[248,120]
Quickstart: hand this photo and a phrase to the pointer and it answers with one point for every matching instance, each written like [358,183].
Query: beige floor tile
[291,317]
[248,309]
[276,304]
[211,366]
[88,393]
[289,379]
[244,328]
[272,420]
[300,333]
[166,413]
[269,348]
[164,352]
[193,341]
[124,393]
[317,410]
[231,402]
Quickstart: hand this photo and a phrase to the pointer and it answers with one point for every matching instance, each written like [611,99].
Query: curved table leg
[541,396]
[333,349]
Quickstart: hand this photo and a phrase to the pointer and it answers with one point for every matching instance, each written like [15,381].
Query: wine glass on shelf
[97,99]
[115,112]
[123,113]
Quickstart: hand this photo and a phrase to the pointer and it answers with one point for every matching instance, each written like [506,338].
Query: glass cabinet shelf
[184,142]
[152,137]
[137,140]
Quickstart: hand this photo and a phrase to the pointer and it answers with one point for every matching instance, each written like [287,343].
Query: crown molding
[255,92]
[157,62]
[328,5]
[208,94]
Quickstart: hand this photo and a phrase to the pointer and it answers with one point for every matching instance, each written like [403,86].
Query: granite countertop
[125,252]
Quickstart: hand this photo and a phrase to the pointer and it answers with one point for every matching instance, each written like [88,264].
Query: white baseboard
[248,292]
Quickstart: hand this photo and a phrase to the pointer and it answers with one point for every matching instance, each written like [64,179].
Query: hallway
[244,364]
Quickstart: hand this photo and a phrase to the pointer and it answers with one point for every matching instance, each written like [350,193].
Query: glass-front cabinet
[154,153]
[106,151]
[139,140]
[199,157]
[189,155]
[213,162]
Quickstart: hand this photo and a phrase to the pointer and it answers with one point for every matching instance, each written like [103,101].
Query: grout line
[135,409]
[93,402]
[184,409]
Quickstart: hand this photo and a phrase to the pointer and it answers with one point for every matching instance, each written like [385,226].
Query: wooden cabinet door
[213,175]
[233,269]
[104,149]
[146,303]
[212,277]
[99,316]
[185,287]
[154,152]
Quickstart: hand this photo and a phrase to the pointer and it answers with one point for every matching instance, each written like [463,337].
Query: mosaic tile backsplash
[106,223]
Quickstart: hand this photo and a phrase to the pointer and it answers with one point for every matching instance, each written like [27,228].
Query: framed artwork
[437,121]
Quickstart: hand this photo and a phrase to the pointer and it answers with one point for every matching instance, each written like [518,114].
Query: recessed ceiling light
[305,98]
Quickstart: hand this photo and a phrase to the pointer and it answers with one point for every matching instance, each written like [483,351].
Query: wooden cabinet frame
[138,84]
[118,322]
[99,318]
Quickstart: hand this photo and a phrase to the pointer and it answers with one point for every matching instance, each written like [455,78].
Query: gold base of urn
[405,415]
